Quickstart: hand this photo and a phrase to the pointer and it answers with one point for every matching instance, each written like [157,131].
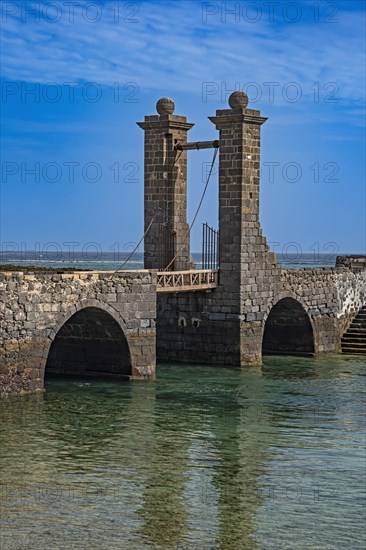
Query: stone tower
[247,268]
[239,179]
[165,191]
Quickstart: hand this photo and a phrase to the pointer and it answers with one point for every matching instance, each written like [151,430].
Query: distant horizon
[126,252]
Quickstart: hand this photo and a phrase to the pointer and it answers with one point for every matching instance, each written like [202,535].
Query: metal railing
[210,247]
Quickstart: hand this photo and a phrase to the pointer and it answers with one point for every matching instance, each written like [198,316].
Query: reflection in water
[201,458]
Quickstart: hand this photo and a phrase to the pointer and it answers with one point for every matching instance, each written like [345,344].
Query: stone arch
[82,305]
[288,328]
[90,339]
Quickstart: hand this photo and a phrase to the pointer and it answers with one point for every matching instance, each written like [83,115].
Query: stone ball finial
[165,106]
[238,100]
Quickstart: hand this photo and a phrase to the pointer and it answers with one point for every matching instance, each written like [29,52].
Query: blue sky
[96,68]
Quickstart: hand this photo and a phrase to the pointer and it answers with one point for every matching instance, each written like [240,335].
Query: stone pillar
[239,174]
[246,266]
[166,189]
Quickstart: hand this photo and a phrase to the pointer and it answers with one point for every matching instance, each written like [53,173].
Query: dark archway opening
[288,330]
[90,343]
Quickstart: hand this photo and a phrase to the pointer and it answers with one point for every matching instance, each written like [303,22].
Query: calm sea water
[202,458]
[96,260]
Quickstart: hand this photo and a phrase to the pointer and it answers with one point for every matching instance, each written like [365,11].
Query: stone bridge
[117,323]
[86,323]
[289,312]
[112,323]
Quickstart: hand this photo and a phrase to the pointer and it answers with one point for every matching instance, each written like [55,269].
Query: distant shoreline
[33,268]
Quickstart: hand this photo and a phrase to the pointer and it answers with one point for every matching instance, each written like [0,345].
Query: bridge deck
[187,281]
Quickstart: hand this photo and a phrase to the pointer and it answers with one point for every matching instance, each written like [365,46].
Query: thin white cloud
[171,47]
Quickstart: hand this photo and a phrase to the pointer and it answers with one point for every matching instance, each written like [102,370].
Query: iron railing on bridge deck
[187,281]
[210,247]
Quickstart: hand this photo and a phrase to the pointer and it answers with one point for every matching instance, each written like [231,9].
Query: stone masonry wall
[351,295]
[34,306]
[354,262]
[203,328]
[195,327]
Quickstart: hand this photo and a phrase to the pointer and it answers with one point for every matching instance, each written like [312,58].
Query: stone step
[353,338]
[352,345]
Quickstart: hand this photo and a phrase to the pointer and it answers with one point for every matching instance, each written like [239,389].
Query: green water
[201,458]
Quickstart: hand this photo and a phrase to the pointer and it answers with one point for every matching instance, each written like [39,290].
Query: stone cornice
[232,116]
[165,122]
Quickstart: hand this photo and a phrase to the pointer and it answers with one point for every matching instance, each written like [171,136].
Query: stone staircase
[354,339]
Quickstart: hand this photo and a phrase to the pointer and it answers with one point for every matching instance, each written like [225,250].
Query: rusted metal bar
[209,249]
[197,145]
[215,251]
[204,266]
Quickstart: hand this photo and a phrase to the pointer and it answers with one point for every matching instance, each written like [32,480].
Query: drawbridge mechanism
[181,147]
[198,207]
[197,145]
